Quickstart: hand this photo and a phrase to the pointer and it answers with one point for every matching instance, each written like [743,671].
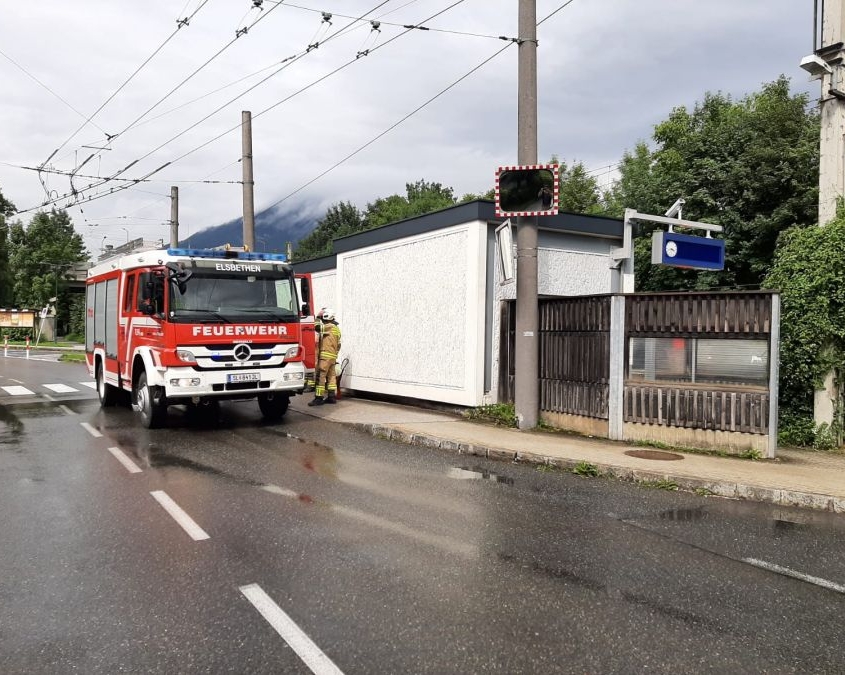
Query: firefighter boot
[318,400]
[331,398]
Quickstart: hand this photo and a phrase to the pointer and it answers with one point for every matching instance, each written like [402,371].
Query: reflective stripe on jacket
[330,343]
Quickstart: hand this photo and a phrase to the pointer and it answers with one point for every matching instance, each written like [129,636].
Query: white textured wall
[567,265]
[413,313]
[323,285]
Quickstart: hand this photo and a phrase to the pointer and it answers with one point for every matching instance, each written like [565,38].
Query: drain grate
[654,454]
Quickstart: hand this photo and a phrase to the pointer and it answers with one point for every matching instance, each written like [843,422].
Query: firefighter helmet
[327,314]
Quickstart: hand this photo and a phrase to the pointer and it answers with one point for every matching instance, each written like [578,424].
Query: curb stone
[725,489]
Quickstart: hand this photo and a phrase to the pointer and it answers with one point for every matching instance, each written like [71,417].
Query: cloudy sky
[608,70]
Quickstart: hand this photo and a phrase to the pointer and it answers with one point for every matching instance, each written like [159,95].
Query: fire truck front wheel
[105,392]
[149,401]
[273,406]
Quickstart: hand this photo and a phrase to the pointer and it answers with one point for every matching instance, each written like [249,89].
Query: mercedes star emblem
[242,352]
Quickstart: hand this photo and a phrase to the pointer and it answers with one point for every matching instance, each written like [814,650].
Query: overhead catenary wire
[410,114]
[179,24]
[128,180]
[275,64]
[40,83]
[194,73]
[319,80]
[410,26]
[238,34]
[105,180]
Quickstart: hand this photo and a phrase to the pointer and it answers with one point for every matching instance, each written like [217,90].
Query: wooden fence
[574,352]
[711,315]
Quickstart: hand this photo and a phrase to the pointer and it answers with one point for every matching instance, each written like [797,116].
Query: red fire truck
[194,327]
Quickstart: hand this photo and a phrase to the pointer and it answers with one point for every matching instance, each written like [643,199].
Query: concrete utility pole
[249,203]
[827,63]
[832,146]
[526,366]
[174,216]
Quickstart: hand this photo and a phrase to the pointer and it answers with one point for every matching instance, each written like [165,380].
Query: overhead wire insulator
[327,18]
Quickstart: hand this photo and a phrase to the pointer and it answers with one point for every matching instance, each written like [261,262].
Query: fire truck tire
[153,412]
[105,392]
[273,406]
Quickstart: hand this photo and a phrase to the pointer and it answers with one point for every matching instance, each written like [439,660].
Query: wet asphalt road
[390,558]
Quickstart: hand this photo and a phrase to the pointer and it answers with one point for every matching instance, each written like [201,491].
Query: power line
[274,64]
[400,25]
[310,48]
[391,127]
[238,34]
[409,115]
[31,76]
[179,24]
[128,180]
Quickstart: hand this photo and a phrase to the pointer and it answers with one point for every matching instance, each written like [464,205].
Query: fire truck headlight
[186,356]
[185,382]
[292,353]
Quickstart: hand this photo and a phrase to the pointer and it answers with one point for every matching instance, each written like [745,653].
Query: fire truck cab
[194,327]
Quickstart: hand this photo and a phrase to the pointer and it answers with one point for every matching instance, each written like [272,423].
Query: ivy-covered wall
[809,272]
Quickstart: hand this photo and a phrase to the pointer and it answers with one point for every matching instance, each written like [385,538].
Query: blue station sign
[687,251]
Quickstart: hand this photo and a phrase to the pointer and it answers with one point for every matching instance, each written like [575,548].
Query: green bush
[16,334]
[809,272]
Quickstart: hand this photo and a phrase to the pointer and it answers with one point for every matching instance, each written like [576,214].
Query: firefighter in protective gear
[311,375]
[329,346]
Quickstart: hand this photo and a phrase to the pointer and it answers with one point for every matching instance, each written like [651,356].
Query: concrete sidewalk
[796,478]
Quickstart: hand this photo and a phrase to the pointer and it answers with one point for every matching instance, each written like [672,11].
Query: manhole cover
[653,454]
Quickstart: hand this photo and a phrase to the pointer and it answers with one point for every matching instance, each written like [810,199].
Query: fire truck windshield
[209,295]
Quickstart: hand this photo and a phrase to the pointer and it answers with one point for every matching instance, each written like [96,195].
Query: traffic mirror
[527,190]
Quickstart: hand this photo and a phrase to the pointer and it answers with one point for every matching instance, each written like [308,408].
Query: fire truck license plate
[232,378]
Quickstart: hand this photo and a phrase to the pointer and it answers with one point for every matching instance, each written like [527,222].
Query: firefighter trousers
[326,378]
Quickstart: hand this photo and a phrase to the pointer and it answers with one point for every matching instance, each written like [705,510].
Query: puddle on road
[462,473]
[39,409]
[11,427]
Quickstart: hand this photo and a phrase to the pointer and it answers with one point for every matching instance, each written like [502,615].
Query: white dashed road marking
[90,385]
[60,388]
[305,649]
[818,581]
[18,391]
[194,531]
[121,457]
[91,430]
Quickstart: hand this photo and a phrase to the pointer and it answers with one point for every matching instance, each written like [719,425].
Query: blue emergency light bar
[223,253]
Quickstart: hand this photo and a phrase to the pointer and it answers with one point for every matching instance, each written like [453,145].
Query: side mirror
[306,309]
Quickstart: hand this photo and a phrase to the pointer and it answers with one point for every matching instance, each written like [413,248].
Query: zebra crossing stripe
[18,391]
[60,388]
[89,384]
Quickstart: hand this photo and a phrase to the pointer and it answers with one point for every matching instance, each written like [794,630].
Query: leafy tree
[344,218]
[579,191]
[341,219]
[41,254]
[471,197]
[422,197]
[6,281]
[749,165]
